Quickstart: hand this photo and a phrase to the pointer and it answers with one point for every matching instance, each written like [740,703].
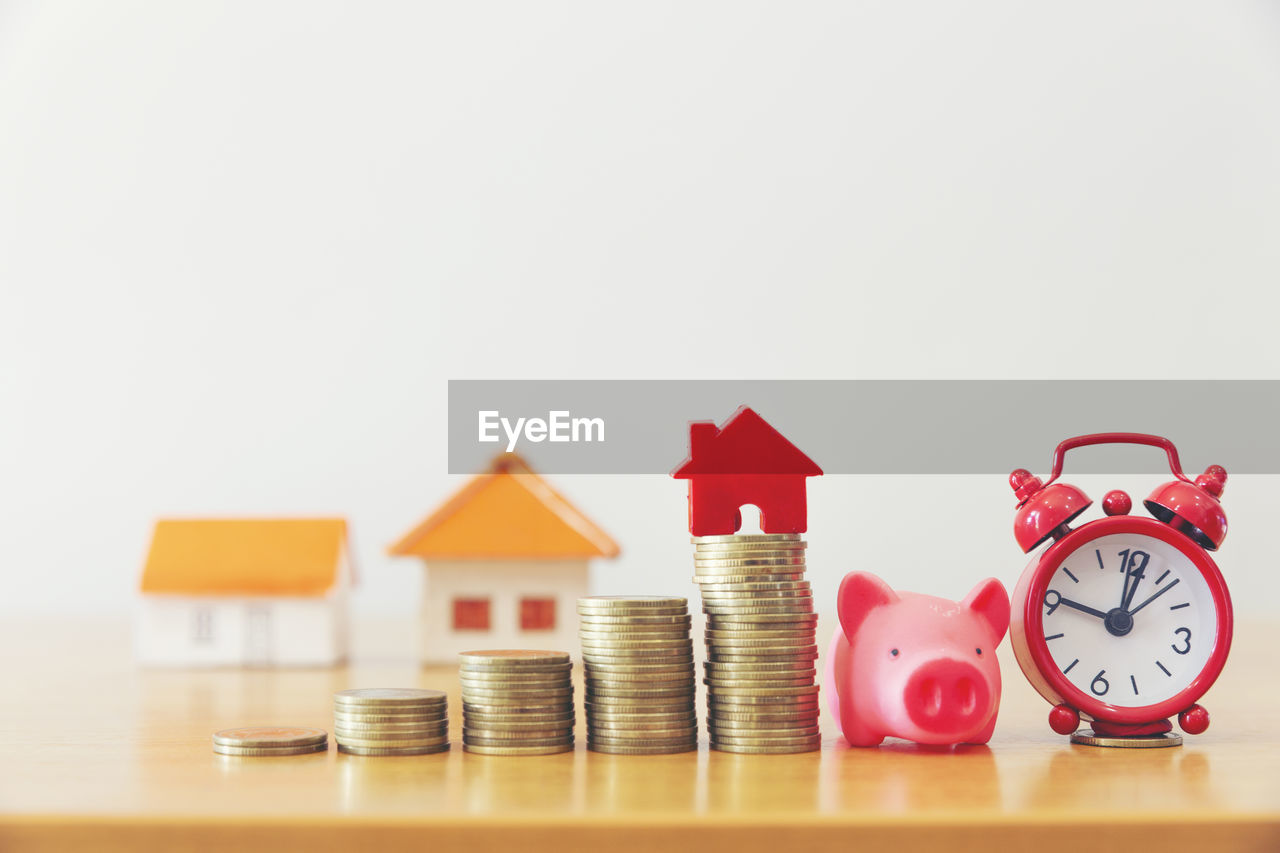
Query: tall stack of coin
[516,702]
[391,721]
[637,658]
[761,645]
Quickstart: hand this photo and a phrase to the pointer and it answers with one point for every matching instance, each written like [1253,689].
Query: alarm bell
[1043,511]
[1193,508]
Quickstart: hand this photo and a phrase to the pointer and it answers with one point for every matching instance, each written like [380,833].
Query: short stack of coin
[761,645]
[266,741]
[516,702]
[637,659]
[391,721]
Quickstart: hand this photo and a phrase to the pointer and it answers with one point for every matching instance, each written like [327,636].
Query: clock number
[1052,605]
[1185,639]
[1099,685]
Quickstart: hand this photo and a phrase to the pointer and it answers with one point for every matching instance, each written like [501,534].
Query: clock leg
[1064,720]
[1194,720]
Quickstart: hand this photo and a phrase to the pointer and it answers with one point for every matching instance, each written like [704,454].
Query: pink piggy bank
[915,666]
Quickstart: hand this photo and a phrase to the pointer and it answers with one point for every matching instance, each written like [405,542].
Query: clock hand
[1075,605]
[1161,591]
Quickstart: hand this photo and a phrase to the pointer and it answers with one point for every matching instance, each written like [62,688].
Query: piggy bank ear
[861,593]
[990,601]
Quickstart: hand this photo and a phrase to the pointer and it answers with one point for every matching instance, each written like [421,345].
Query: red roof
[744,444]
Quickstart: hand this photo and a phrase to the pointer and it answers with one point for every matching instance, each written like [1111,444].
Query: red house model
[745,461]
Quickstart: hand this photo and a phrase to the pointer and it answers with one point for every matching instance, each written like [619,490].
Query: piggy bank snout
[947,696]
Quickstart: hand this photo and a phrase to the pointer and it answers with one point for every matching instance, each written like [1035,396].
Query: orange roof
[296,556]
[509,511]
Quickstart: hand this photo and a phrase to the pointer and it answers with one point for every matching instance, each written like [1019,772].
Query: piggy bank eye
[893,652]
[979,651]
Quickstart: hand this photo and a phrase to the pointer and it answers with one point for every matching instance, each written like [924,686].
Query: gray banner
[867,426]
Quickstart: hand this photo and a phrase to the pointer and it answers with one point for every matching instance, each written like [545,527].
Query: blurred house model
[264,592]
[506,560]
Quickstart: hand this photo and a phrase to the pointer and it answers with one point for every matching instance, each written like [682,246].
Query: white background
[244,245]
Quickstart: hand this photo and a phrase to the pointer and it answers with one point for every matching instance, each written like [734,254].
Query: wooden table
[99,755]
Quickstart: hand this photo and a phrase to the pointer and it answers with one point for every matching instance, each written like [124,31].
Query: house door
[257,639]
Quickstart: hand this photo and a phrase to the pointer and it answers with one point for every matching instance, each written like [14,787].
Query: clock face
[1129,619]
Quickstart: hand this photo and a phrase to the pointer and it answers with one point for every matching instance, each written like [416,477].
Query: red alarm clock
[1123,621]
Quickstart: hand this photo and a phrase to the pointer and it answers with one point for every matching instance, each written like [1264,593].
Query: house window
[202,625]
[537,614]
[471,614]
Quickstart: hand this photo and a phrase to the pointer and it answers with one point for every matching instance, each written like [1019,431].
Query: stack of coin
[516,702]
[637,659]
[391,721]
[761,646]
[265,741]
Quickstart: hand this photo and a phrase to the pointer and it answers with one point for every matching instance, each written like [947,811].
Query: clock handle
[1117,438]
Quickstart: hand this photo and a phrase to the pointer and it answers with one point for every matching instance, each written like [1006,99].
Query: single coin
[735,595]
[548,694]
[732,735]
[650,678]
[750,621]
[767,750]
[527,687]
[764,656]
[736,538]
[628,693]
[1088,738]
[558,740]
[643,750]
[766,665]
[728,722]
[387,728]
[613,741]
[481,735]
[595,637]
[758,683]
[631,601]
[375,718]
[390,751]
[270,736]
[633,735]
[722,692]
[495,670]
[713,634]
[485,657]
[754,586]
[516,750]
[679,724]
[268,751]
[396,697]
[514,721]
[511,709]
[678,664]
[744,740]
[626,705]
[392,742]
[536,676]
[647,619]
[743,578]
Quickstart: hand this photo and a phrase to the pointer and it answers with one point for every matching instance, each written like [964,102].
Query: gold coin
[756,586]
[692,746]
[505,691]
[685,721]
[269,751]
[502,657]
[606,669]
[353,728]
[519,688]
[731,734]
[393,742]
[387,697]
[642,677]
[752,740]
[766,665]
[744,538]
[375,718]
[598,650]
[1088,738]
[651,734]
[390,751]
[560,740]
[767,750]
[632,705]
[763,721]
[665,741]
[638,693]
[524,735]
[670,636]
[751,621]
[646,619]
[517,720]
[517,750]
[638,602]
[270,736]
[517,708]
[496,671]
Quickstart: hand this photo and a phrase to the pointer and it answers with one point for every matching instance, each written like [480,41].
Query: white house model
[255,592]
[506,561]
